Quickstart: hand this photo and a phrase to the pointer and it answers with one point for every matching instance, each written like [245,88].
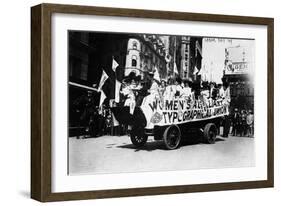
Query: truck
[171,119]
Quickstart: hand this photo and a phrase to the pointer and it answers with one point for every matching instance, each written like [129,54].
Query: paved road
[113,154]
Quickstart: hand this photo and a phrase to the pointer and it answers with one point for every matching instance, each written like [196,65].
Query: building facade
[91,53]
[238,73]
[145,53]
[191,57]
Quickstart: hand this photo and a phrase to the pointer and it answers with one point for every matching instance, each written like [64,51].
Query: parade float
[172,119]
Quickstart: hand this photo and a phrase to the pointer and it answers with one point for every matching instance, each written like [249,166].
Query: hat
[185,81]
[178,79]
[130,77]
[225,84]
[138,78]
[236,110]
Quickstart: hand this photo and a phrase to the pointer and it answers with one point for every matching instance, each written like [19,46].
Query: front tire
[210,133]
[138,137]
[172,137]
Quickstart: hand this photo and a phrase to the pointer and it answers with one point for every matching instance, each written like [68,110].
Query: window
[134,61]
[75,66]
[84,71]
[85,37]
[135,45]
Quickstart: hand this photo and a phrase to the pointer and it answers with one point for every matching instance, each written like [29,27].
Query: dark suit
[226,126]
[235,123]
[213,93]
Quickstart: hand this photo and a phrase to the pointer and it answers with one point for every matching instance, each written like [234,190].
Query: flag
[118,80]
[175,69]
[102,97]
[103,78]
[195,70]
[229,66]
[114,120]
[201,72]
[117,91]
[114,65]
[156,75]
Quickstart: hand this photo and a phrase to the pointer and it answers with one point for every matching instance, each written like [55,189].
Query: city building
[191,57]
[145,53]
[173,56]
[238,73]
[91,53]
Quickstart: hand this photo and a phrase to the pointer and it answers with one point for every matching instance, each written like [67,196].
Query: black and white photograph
[152,103]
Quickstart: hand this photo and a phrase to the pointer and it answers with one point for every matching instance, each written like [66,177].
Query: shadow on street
[159,145]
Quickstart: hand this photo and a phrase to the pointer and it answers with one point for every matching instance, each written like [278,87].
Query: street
[115,154]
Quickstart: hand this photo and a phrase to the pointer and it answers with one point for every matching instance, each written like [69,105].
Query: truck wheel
[138,137]
[172,137]
[210,133]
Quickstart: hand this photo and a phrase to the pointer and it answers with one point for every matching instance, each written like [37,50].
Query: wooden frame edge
[36,139]
[41,102]
[157,14]
[270,102]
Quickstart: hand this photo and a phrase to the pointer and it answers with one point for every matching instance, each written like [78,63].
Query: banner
[178,111]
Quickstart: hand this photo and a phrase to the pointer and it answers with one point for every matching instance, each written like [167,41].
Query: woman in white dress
[186,91]
[170,90]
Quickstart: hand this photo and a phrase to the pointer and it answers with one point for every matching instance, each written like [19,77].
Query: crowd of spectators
[99,121]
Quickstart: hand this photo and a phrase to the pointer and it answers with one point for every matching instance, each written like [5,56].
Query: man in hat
[196,88]
[235,122]
[250,123]
[128,92]
[213,91]
[178,87]
[243,123]
[154,88]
